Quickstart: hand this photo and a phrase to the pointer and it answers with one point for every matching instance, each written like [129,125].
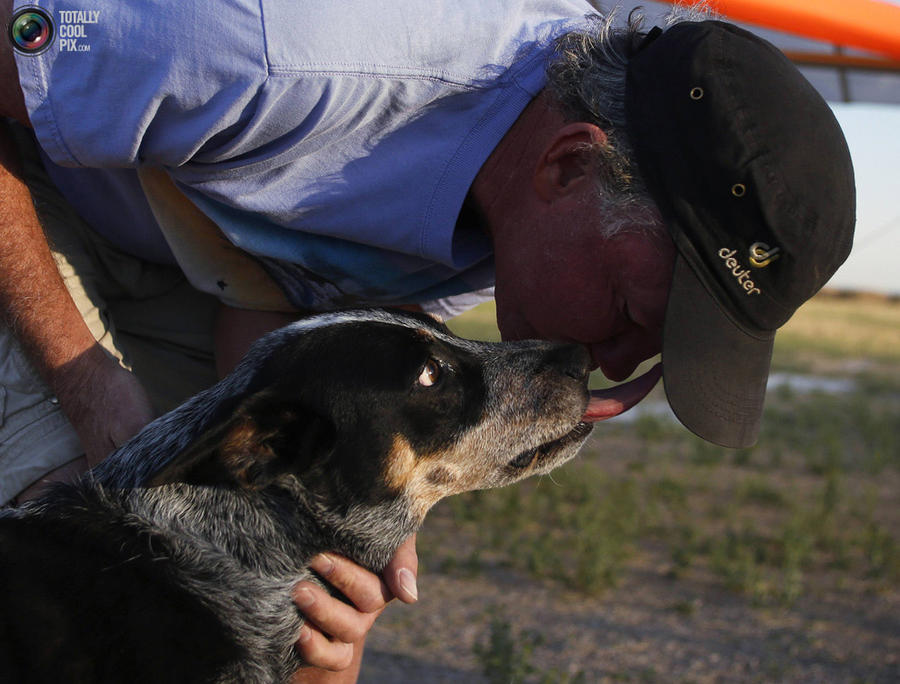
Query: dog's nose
[572,360]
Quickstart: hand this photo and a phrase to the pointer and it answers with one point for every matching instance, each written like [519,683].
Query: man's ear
[265,438]
[566,163]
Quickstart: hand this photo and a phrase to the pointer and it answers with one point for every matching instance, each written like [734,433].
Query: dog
[173,560]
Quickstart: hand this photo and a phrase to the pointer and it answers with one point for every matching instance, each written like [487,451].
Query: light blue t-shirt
[333,140]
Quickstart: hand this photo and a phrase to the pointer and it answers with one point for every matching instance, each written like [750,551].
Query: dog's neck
[276,531]
[368,534]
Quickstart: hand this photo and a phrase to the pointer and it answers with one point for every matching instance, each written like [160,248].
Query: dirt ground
[648,629]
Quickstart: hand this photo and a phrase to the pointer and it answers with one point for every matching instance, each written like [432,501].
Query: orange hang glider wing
[866,24]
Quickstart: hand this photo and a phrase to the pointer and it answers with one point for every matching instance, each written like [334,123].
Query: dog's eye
[430,374]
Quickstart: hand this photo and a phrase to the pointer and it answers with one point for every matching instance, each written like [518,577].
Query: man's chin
[616,373]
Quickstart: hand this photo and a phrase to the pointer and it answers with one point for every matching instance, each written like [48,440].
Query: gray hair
[586,79]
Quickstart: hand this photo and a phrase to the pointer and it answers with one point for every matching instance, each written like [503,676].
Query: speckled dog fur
[174,559]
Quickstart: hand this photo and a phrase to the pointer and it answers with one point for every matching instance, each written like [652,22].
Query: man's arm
[104,402]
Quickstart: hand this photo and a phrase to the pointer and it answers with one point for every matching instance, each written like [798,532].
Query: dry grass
[846,326]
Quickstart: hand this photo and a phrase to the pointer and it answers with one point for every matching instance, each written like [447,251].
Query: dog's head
[366,406]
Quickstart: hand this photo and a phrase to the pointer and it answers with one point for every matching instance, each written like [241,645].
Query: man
[682,192]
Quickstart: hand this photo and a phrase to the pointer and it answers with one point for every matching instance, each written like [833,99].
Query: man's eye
[430,374]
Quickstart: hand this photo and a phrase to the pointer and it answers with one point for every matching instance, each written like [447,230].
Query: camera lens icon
[31,30]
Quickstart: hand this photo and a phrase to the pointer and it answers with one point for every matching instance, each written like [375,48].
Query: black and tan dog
[173,561]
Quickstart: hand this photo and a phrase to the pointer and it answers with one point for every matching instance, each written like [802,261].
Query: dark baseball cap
[753,177]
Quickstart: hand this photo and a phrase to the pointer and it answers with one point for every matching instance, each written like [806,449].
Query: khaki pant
[146,315]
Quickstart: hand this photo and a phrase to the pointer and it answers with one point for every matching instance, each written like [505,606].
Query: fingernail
[303,598]
[408,583]
[322,564]
[305,634]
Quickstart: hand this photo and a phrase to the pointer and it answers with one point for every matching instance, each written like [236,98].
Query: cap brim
[714,371]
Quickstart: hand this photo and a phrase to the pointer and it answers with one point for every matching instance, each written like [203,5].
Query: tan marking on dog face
[401,465]
[424,480]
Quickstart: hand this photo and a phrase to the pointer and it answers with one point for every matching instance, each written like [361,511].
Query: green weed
[506,658]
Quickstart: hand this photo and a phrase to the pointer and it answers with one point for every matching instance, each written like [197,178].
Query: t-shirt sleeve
[131,83]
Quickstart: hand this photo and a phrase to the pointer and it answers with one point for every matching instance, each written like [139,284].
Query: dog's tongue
[615,400]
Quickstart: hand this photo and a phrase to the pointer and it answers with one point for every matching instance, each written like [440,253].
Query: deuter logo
[761,255]
[734,267]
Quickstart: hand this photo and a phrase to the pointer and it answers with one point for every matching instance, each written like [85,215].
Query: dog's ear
[265,437]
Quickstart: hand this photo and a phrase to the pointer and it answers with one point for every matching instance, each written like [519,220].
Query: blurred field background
[656,557]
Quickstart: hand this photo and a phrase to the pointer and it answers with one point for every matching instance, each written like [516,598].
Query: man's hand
[106,404]
[332,639]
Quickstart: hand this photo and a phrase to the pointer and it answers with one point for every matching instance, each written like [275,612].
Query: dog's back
[94,593]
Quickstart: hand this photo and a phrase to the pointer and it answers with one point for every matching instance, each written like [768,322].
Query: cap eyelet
[696,93]
[738,189]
